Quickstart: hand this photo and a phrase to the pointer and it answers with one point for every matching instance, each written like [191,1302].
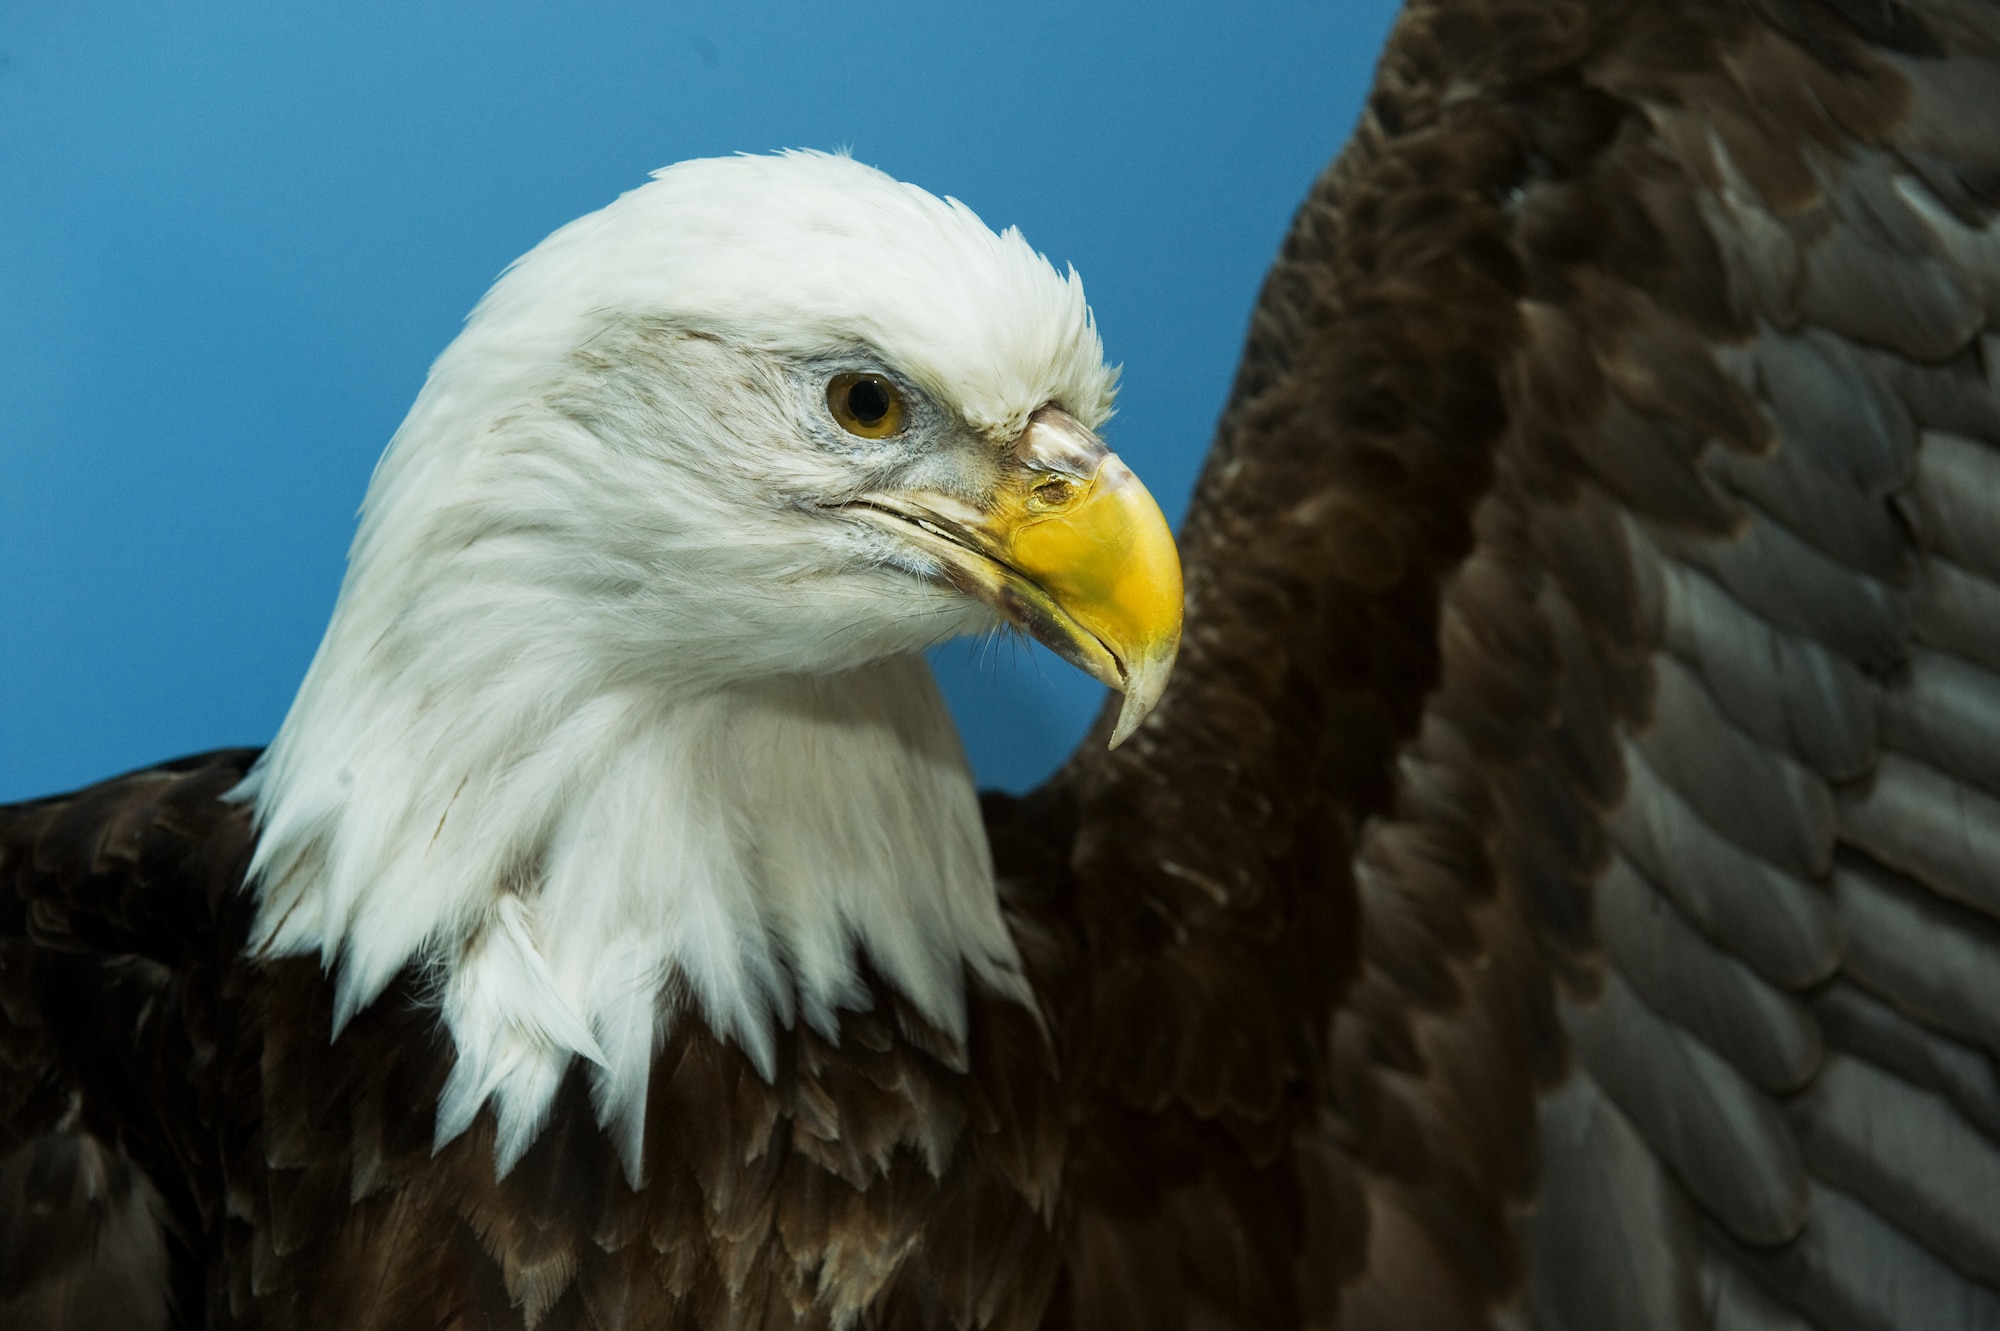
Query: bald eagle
[1558,887]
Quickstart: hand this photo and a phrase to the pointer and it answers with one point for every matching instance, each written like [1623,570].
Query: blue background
[234,235]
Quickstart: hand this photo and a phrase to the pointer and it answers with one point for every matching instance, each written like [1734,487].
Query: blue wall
[233,236]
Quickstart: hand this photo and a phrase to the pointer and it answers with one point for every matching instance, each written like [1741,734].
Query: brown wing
[1579,798]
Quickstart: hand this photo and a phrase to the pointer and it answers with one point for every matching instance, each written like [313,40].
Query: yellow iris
[865,404]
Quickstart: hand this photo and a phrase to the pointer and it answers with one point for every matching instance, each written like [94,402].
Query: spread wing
[1564,876]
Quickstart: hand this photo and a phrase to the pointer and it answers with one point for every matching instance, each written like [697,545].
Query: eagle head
[621,700]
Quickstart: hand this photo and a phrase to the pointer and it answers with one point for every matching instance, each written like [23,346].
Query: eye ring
[868,405]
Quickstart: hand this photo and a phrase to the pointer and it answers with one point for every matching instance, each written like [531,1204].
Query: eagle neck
[738,856]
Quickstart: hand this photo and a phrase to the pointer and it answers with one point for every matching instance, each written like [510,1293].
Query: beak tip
[1143,686]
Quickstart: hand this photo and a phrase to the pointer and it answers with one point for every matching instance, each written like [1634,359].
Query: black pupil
[869,401]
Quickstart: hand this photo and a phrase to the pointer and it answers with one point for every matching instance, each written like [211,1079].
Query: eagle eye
[866,404]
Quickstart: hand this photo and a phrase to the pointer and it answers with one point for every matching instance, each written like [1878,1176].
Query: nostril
[1052,494]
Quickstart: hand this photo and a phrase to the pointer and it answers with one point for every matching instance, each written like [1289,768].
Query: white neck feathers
[742,851]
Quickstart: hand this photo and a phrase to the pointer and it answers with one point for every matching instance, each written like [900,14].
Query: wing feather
[1668,700]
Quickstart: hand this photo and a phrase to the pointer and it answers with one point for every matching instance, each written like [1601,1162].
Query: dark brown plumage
[1558,885]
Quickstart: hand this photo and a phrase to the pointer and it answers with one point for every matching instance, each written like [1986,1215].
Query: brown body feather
[1558,886]
[889,1180]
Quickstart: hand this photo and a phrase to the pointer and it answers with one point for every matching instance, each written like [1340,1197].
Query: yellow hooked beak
[1071,547]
